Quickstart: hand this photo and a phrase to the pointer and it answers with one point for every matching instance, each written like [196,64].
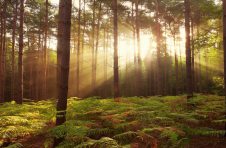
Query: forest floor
[134,122]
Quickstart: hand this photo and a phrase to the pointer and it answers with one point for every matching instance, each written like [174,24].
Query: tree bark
[93,48]
[78,49]
[13,50]
[176,65]
[3,51]
[224,43]
[138,32]
[63,58]
[159,57]
[45,51]
[116,67]
[188,50]
[1,36]
[193,55]
[20,56]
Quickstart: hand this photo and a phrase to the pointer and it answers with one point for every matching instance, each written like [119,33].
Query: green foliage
[99,132]
[126,138]
[104,142]
[218,85]
[69,129]
[21,120]
[171,135]
[16,145]
[133,120]
[204,132]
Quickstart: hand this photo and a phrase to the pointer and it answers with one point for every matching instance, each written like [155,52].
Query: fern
[69,129]
[164,121]
[204,132]
[99,132]
[16,145]
[104,142]
[125,138]
[171,135]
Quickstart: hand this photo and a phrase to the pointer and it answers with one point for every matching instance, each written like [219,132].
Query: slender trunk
[224,42]
[193,55]
[200,65]
[138,31]
[138,67]
[105,60]
[97,46]
[3,51]
[83,34]
[78,49]
[116,67]
[176,65]
[134,33]
[30,66]
[93,48]
[188,50]
[13,50]
[45,52]
[20,56]
[1,36]
[158,40]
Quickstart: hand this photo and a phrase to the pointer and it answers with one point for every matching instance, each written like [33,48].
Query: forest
[112,73]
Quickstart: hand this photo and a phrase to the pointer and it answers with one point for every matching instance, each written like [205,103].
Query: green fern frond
[16,145]
[99,132]
[125,138]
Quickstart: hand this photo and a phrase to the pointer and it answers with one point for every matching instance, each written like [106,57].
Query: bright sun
[127,49]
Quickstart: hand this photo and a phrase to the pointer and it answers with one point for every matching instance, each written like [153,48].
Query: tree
[188,49]
[224,46]
[13,49]
[63,58]
[45,50]
[116,67]
[138,31]
[78,48]
[3,51]
[19,99]
[93,48]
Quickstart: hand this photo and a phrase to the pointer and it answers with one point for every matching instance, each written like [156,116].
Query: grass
[145,122]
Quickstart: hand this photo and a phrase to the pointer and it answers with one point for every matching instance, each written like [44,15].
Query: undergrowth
[144,122]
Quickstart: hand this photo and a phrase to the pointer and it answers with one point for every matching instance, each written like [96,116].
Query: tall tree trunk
[78,49]
[93,47]
[138,32]
[105,61]
[176,65]
[13,50]
[159,58]
[20,56]
[138,67]
[134,33]
[188,50]
[3,51]
[63,60]
[45,51]
[116,67]
[193,55]
[83,34]
[224,42]
[1,36]
[97,45]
